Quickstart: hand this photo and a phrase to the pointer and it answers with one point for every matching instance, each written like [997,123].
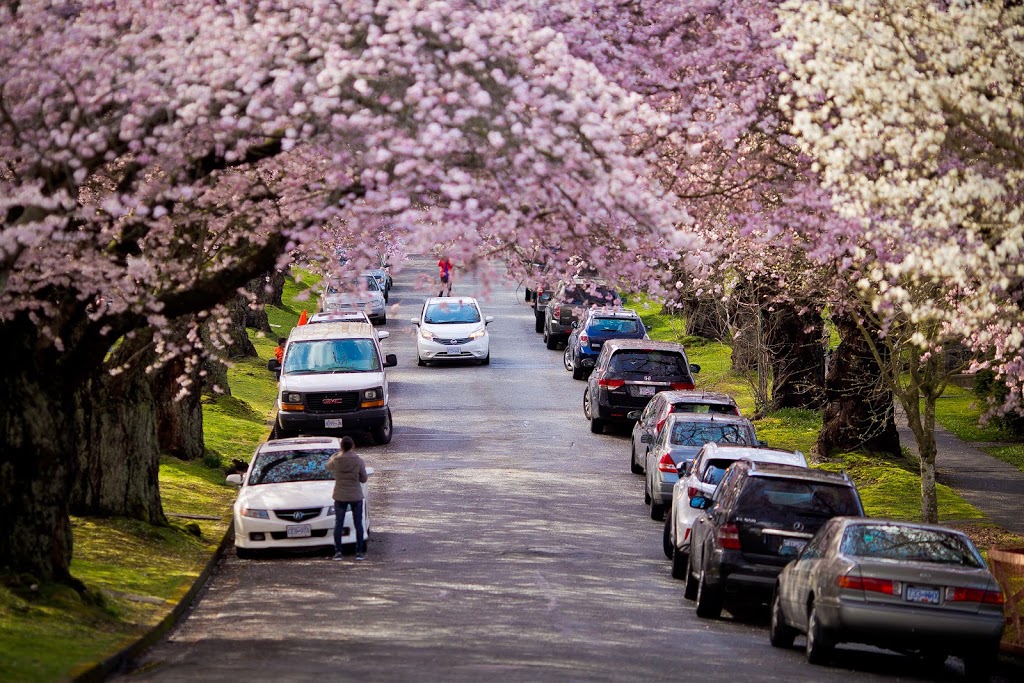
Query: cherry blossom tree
[154,157]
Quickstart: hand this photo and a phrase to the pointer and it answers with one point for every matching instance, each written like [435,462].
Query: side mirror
[694,368]
[414,321]
[235,479]
[369,471]
[383,334]
[646,438]
[274,365]
[633,414]
[575,325]
[700,502]
[687,466]
[488,320]
[390,360]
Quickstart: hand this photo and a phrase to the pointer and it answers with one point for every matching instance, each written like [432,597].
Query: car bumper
[474,350]
[738,577]
[361,420]
[908,625]
[614,411]
[268,534]
[664,484]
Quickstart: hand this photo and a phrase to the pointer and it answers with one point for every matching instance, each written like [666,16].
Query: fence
[1007,564]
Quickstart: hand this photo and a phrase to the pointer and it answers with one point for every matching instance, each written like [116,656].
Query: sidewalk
[993,486]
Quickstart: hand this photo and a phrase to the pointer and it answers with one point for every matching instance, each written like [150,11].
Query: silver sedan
[901,586]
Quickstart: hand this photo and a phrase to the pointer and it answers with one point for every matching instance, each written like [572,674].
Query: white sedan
[285,500]
[452,328]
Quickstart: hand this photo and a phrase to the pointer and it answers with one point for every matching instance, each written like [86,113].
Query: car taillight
[691,491]
[611,383]
[729,537]
[557,311]
[667,464]
[682,386]
[974,595]
[661,423]
[886,586]
[584,340]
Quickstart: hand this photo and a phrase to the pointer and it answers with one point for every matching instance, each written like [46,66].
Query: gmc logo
[333,401]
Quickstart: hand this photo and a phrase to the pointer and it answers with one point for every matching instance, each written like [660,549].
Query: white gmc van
[333,381]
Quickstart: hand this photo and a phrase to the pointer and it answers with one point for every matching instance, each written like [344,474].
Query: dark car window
[717,408]
[452,313]
[714,470]
[649,363]
[584,295]
[283,466]
[908,544]
[700,433]
[768,496]
[613,325]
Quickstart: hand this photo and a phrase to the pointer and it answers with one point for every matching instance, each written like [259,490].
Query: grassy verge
[134,571]
[959,411]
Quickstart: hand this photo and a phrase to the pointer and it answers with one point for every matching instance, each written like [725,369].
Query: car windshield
[700,433]
[585,295]
[616,325]
[714,470]
[451,313]
[331,355]
[279,467]
[364,283]
[770,497]
[719,408]
[908,544]
[649,363]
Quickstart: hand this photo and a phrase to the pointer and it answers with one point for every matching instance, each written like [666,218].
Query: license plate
[595,345]
[645,391]
[453,350]
[332,423]
[299,531]
[791,547]
[927,596]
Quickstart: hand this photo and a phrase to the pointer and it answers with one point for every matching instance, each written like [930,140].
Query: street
[507,543]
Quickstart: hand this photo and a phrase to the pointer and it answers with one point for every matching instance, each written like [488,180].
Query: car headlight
[291,397]
[371,394]
[476,334]
[428,335]
[330,511]
[256,514]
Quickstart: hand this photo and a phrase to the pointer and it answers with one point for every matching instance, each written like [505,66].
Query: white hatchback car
[285,500]
[452,328]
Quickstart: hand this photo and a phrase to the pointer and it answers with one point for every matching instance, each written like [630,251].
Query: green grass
[960,411]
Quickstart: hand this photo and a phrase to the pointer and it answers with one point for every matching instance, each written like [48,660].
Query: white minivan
[333,381]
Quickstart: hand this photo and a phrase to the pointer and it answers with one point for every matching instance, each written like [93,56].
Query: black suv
[761,518]
[627,373]
[599,325]
[568,304]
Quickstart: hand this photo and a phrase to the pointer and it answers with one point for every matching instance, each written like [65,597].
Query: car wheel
[690,587]
[567,361]
[819,645]
[680,562]
[668,546]
[539,327]
[487,359]
[420,362]
[382,433]
[780,634]
[384,319]
[579,373]
[282,433]
[709,599]
[657,510]
[245,553]
[647,492]
[550,341]
[633,466]
[978,663]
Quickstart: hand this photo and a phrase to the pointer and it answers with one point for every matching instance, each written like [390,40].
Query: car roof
[612,312]
[707,417]
[764,469]
[342,315]
[642,345]
[758,453]
[300,443]
[696,396]
[450,299]
[331,330]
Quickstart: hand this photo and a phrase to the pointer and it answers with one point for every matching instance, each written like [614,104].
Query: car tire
[709,599]
[579,373]
[690,587]
[596,424]
[282,433]
[819,644]
[979,663]
[382,433]
[420,362]
[245,553]
[633,466]
[487,359]
[539,327]
[657,510]
[647,493]
[550,341]
[780,634]
[567,361]
[667,545]
[680,561]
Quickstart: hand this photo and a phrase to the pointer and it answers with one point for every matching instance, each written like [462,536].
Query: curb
[134,646]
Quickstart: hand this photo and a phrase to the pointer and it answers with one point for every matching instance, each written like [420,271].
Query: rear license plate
[791,547]
[645,391]
[453,350]
[332,423]
[927,596]
[299,531]
[595,345]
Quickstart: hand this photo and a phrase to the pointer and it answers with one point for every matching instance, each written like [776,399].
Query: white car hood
[453,331]
[327,381]
[289,495]
[343,299]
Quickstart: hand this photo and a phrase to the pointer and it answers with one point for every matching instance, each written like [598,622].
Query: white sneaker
[360,557]
[338,556]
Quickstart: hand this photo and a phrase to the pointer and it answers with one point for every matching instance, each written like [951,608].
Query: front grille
[454,342]
[298,515]
[332,401]
[316,533]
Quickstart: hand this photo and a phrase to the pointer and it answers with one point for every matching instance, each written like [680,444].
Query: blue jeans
[340,506]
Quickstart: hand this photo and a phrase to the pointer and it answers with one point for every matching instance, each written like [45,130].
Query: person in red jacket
[445,266]
[279,350]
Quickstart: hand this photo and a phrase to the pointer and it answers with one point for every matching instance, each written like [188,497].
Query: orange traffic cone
[304,318]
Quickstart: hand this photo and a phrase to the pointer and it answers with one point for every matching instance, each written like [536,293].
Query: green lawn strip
[959,411]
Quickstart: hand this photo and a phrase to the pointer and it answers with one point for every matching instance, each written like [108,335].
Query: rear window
[700,433]
[584,295]
[894,542]
[717,408]
[650,363]
[770,497]
[617,325]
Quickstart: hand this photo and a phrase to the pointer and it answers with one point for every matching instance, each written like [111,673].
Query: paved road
[508,542]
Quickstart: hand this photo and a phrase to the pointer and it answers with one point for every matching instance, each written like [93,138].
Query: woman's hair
[347,443]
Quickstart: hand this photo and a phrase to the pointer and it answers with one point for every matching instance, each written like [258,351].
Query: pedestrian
[445,266]
[349,476]
[279,349]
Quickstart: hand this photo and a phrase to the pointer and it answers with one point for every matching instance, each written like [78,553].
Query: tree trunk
[119,454]
[745,342]
[239,345]
[797,357]
[859,411]
[179,419]
[705,317]
[36,428]
[216,379]
[276,280]
[256,318]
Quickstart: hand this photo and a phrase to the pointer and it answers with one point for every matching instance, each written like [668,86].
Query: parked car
[651,419]
[333,379]
[700,478]
[598,326]
[895,585]
[383,279]
[762,516]
[568,304]
[285,499]
[628,373]
[360,294]
[452,328]
[677,445]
